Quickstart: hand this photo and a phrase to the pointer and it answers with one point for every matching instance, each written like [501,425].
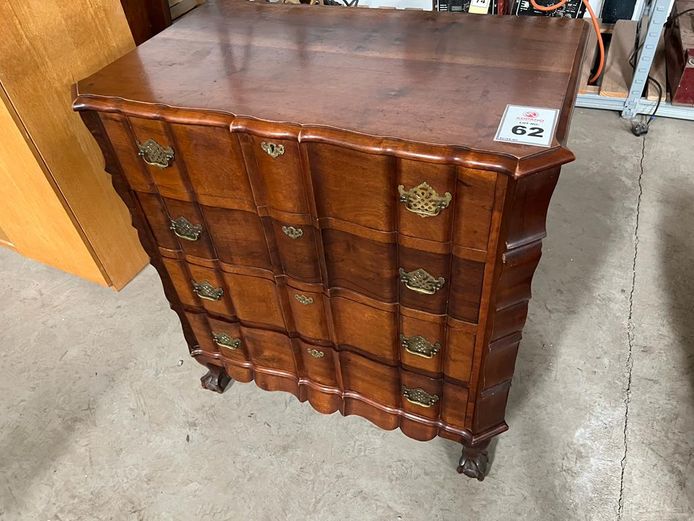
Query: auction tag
[527,125]
[479,6]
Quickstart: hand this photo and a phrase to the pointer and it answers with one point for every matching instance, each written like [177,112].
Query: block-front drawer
[429,201]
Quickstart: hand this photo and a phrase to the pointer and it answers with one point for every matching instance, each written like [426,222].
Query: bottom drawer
[387,395]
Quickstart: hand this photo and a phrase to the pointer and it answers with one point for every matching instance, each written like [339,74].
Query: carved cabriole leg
[475,461]
[216,379]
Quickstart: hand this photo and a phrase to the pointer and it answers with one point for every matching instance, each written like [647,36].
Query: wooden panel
[437,266]
[474,208]
[238,237]
[256,300]
[5,240]
[47,44]
[233,331]
[200,247]
[366,328]
[117,128]
[431,386]
[442,179]
[308,311]
[432,330]
[618,73]
[454,405]
[298,254]
[206,150]
[32,215]
[146,17]
[353,186]
[269,350]
[372,380]
[368,267]
[278,180]
[319,364]
[169,181]
[459,351]
[220,306]
[466,289]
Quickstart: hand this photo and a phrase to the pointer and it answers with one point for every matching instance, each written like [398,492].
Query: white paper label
[479,6]
[527,125]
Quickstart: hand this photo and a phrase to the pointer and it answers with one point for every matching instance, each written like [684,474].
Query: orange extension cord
[596,27]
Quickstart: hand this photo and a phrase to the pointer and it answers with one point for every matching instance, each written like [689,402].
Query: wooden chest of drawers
[321,193]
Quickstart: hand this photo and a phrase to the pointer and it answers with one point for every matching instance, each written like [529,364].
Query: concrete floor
[102,417]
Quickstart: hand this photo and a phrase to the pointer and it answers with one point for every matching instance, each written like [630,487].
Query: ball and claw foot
[474,462]
[216,379]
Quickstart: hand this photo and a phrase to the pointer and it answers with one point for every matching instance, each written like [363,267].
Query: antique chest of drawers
[322,195]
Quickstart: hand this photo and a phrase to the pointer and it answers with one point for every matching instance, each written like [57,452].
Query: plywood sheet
[33,219]
[47,46]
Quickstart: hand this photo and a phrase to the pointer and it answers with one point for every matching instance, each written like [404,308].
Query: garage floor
[102,416]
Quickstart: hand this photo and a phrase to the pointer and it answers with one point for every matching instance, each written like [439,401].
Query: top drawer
[182,161]
[345,189]
[435,202]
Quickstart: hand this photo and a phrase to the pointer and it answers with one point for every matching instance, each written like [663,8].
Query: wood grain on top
[428,77]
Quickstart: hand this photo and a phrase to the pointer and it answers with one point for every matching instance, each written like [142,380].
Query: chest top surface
[427,77]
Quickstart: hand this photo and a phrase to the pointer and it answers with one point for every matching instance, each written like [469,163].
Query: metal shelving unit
[652,19]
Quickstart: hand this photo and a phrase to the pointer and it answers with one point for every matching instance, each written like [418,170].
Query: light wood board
[33,218]
[48,46]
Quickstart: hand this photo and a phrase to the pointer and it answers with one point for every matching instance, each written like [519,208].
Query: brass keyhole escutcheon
[303,299]
[272,149]
[315,353]
[292,232]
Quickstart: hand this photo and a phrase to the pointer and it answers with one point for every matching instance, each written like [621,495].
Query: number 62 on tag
[527,125]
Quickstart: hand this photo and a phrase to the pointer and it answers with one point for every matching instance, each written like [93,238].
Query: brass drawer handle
[419,346]
[154,154]
[421,281]
[293,233]
[303,299]
[424,200]
[184,229]
[419,397]
[271,149]
[207,291]
[315,353]
[224,340]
